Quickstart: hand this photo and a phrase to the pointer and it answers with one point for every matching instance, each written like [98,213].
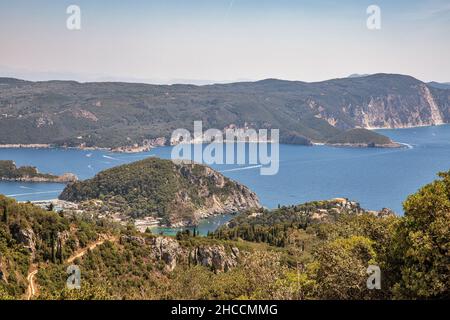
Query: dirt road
[31,290]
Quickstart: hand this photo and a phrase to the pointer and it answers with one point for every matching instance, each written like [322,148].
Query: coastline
[394,145]
[51,146]
[26,146]
[59,179]
[140,149]
[408,127]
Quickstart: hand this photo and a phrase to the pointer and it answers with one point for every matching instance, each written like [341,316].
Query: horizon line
[201,83]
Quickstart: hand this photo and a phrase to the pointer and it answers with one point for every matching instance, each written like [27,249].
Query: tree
[4,295]
[87,292]
[341,268]
[422,243]
[5,214]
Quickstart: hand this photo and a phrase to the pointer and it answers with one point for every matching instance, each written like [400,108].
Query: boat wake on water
[111,158]
[33,193]
[409,146]
[244,168]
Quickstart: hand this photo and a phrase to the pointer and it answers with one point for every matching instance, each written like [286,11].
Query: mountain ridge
[118,114]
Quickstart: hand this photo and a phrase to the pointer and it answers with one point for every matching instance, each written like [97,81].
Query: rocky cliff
[214,256]
[390,101]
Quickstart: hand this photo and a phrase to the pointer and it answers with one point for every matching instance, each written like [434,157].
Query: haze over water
[376,178]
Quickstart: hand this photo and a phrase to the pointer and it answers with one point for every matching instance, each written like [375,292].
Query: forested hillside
[68,113]
[318,250]
[179,193]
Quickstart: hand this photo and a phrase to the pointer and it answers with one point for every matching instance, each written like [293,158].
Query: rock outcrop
[167,250]
[384,213]
[215,257]
[171,252]
[414,106]
[238,197]
[26,237]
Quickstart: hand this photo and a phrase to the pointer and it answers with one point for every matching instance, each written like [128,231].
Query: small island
[10,172]
[362,138]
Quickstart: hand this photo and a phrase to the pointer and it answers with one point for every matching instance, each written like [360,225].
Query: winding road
[31,290]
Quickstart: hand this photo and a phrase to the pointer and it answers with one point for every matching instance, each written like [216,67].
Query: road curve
[31,290]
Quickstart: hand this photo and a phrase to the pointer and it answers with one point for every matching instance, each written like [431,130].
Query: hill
[440,85]
[361,138]
[178,193]
[111,115]
[316,250]
[275,226]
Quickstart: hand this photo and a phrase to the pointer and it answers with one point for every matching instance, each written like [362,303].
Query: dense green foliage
[275,226]
[423,243]
[30,235]
[318,250]
[9,170]
[413,251]
[154,187]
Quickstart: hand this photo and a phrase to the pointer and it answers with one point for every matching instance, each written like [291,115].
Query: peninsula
[10,172]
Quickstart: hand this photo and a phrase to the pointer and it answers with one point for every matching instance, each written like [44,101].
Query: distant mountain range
[109,114]
[357,75]
[439,85]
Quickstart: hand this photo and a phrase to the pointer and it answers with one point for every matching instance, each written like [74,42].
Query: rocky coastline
[64,178]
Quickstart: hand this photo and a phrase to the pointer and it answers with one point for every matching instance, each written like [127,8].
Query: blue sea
[375,177]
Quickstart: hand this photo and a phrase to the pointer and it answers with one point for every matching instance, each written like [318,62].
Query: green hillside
[177,193]
[317,250]
[67,113]
[360,137]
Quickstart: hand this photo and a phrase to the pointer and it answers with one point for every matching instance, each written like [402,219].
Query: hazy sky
[223,40]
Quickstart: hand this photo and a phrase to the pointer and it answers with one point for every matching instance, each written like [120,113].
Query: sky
[204,41]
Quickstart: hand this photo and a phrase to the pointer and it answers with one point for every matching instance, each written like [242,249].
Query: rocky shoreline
[64,178]
[392,145]
[136,148]
[10,172]
[140,149]
[25,146]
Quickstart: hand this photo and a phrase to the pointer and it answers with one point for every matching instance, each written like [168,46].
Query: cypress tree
[52,240]
[5,214]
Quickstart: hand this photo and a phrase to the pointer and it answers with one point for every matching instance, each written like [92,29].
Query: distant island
[133,117]
[10,172]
